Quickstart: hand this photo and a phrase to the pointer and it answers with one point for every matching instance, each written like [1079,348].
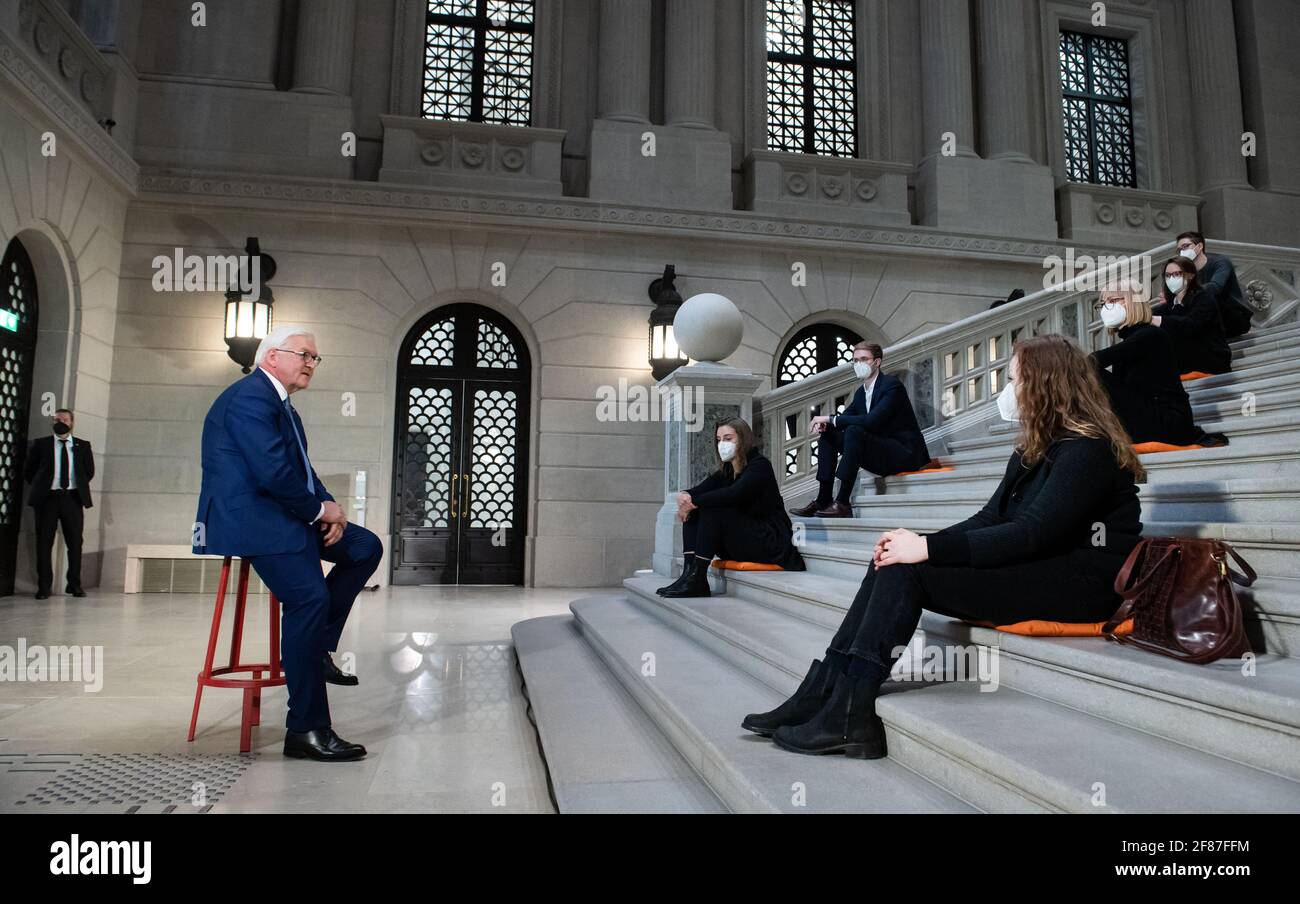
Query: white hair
[278,337]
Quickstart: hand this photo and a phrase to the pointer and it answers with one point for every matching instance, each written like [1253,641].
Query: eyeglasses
[1105,303]
[306,356]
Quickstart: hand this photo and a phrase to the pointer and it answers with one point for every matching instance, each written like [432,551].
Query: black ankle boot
[847,724]
[696,581]
[681,578]
[806,702]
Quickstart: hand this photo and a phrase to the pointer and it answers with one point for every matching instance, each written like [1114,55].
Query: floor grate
[129,782]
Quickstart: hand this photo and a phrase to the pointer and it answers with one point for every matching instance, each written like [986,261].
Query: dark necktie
[293,422]
[66,464]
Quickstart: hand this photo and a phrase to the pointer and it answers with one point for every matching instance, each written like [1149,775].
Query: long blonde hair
[1058,391]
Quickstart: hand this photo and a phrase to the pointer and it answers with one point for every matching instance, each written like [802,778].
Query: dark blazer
[1219,278]
[254,498]
[1197,330]
[1053,508]
[39,469]
[756,494]
[891,416]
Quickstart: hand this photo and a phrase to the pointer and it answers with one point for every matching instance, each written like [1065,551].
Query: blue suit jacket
[254,500]
[890,416]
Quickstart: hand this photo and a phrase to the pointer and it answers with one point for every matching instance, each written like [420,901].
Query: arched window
[18,310]
[478,61]
[812,105]
[814,349]
[1097,105]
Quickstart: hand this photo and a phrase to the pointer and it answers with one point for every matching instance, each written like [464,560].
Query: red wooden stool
[252,686]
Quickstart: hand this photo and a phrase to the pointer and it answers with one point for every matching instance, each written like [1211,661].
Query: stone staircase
[639,699]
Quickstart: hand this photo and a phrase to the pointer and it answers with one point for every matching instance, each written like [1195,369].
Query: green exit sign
[9,320]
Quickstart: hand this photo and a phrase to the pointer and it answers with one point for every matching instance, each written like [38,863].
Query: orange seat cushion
[925,471]
[1147,448]
[1040,628]
[731,565]
[1194,375]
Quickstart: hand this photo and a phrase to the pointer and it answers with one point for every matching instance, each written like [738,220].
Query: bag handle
[1130,594]
[1250,576]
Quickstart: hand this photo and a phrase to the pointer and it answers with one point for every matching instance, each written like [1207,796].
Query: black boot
[847,724]
[806,702]
[681,578]
[696,582]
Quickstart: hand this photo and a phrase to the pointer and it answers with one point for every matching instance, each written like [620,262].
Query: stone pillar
[689,68]
[1217,117]
[696,395]
[323,58]
[624,60]
[947,101]
[1005,80]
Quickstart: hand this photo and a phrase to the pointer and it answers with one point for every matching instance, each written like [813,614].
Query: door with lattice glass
[460,473]
[17,350]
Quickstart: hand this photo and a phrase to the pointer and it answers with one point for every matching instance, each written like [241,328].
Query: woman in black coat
[1048,545]
[1190,315]
[1142,382]
[734,513]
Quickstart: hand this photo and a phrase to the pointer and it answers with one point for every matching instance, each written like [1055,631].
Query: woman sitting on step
[1048,545]
[1142,382]
[735,513]
[1190,315]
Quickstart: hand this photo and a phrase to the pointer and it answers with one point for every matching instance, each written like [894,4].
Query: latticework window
[1097,107]
[812,103]
[478,61]
[814,349]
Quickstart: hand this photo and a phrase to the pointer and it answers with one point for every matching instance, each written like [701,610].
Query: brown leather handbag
[1179,593]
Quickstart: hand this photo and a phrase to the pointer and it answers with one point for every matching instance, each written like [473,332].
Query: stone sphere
[708,327]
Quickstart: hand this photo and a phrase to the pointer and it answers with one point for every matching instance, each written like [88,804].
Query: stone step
[698,700]
[1267,339]
[1253,720]
[1262,499]
[603,752]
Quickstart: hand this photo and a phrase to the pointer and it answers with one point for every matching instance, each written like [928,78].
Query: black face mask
[61,428]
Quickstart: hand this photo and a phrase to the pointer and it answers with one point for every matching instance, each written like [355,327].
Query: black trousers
[726,533]
[887,608]
[1148,419]
[842,451]
[60,508]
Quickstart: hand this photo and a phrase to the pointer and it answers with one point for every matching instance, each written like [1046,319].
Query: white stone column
[323,58]
[947,98]
[1005,79]
[624,60]
[689,83]
[1217,116]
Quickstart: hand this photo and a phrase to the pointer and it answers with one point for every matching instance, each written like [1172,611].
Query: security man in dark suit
[59,468]
[877,431]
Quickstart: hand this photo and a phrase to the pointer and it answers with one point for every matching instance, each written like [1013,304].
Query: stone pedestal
[994,197]
[680,167]
[711,392]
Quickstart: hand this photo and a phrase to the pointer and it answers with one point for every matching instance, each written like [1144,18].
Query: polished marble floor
[439,708]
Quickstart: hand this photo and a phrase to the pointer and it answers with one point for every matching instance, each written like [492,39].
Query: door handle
[454,478]
[464,490]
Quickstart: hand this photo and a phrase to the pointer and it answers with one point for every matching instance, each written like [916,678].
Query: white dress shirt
[58,463]
[284,396]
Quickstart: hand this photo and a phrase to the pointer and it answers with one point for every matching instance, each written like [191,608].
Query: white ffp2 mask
[1008,403]
[726,451]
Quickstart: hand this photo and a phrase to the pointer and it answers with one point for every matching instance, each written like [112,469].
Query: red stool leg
[275,636]
[241,603]
[246,723]
[212,643]
[257,698]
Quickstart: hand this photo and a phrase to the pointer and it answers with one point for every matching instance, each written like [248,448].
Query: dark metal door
[18,311]
[460,488]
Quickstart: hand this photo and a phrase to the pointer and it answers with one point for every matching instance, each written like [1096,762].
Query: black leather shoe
[335,675]
[809,510]
[836,510]
[696,584]
[807,702]
[75,591]
[42,594]
[847,724]
[322,744]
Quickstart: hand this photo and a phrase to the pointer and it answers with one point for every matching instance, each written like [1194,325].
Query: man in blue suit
[878,431]
[262,500]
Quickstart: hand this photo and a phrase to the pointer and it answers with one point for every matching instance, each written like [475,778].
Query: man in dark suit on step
[59,468]
[877,431]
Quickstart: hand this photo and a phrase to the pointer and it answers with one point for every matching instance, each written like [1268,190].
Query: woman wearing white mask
[735,513]
[1047,545]
[1142,382]
[1190,314]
